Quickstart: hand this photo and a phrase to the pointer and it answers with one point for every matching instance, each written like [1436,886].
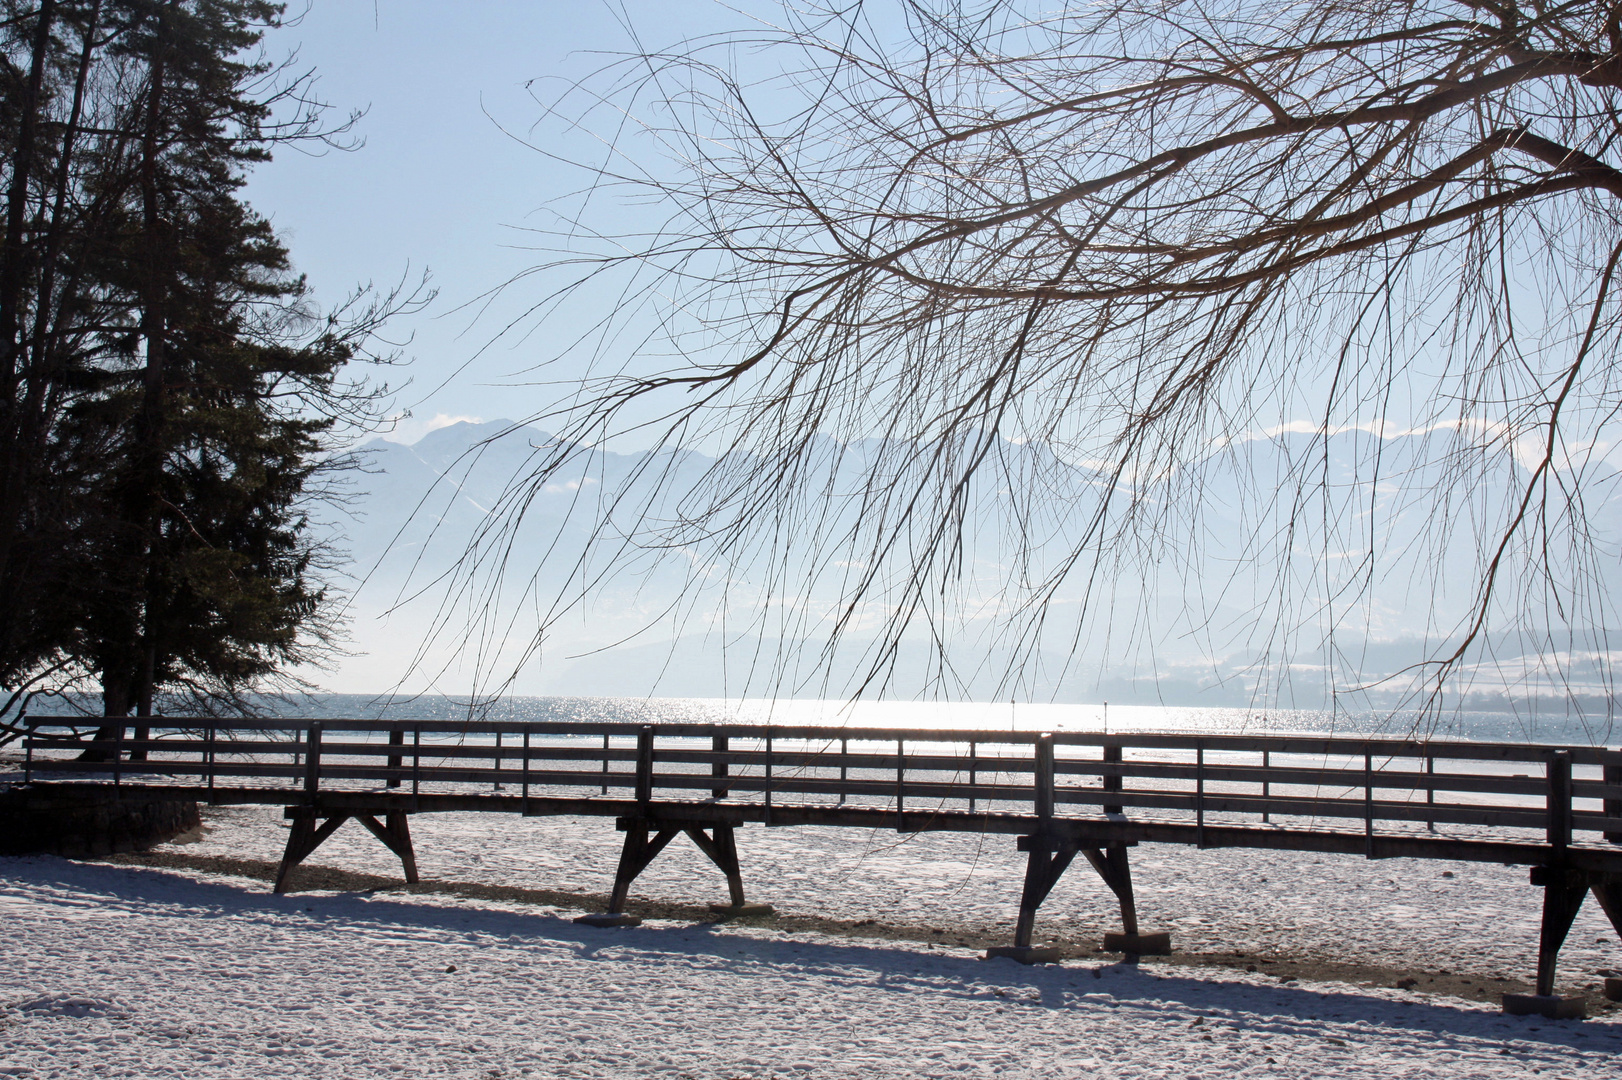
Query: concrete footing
[1139,944]
[1023,954]
[604,920]
[742,911]
[1613,989]
[1550,1005]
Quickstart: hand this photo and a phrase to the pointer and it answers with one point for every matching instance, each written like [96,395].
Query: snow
[121,971]
[1392,912]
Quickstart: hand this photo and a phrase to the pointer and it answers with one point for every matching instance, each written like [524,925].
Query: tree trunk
[14,452]
[115,704]
[143,704]
[22,165]
[149,430]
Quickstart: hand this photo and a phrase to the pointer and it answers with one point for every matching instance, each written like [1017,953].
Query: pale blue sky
[438,184]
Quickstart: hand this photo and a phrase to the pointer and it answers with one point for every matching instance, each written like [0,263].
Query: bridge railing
[1572,794]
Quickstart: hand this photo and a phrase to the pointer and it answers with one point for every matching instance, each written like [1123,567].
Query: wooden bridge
[1555,809]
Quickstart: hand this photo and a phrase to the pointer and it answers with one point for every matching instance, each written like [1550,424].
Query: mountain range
[1247,581]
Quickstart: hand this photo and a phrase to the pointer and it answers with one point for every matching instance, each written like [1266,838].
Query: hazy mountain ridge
[1198,642]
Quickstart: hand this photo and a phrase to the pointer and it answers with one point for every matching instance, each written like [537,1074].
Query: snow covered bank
[117,971]
[1399,913]
[126,972]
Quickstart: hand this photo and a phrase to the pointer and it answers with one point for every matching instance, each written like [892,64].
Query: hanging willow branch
[1062,267]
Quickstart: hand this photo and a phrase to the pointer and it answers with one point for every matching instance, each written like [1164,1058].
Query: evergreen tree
[187,394]
[45,89]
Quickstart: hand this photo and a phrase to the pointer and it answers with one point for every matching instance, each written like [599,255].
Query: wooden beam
[1111,865]
[1558,804]
[719,767]
[312,762]
[1563,893]
[635,856]
[1089,831]
[302,840]
[396,836]
[722,849]
[1111,774]
[1289,744]
[1613,807]
[1046,863]
[1043,781]
[396,759]
[644,765]
[1609,896]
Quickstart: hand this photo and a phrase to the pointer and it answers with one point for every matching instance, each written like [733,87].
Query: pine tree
[187,393]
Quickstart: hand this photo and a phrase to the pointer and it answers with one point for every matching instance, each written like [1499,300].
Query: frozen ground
[1394,912]
[116,971]
[132,972]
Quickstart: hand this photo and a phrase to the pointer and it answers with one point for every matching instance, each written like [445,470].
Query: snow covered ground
[122,971]
[1394,912]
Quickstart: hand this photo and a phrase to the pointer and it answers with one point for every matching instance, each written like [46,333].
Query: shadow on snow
[1078,985]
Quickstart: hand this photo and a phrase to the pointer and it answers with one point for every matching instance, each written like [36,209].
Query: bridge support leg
[1048,860]
[1561,902]
[396,836]
[721,845]
[305,836]
[1112,865]
[643,843]
[638,851]
[302,839]
[1609,896]
[1563,893]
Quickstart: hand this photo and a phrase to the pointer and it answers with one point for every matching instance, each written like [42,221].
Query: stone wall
[91,828]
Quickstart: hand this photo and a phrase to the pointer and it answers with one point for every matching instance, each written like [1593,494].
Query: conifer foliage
[169,395]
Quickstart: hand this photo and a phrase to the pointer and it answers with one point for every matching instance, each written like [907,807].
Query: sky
[444,182]
[451,178]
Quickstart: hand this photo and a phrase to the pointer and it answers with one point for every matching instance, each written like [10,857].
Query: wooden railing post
[395,761]
[28,725]
[900,782]
[312,762]
[1112,756]
[495,785]
[719,744]
[1368,805]
[1559,802]
[1267,786]
[208,758]
[844,769]
[1199,793]
[1563,893]
[768,785]
[974,776]
[1611,776]
[1430,789]
[1044,778]
[526,772]
[605,763]
[644,766]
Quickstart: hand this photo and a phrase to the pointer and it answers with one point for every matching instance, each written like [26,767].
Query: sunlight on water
[1495,727]
[1526,727]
